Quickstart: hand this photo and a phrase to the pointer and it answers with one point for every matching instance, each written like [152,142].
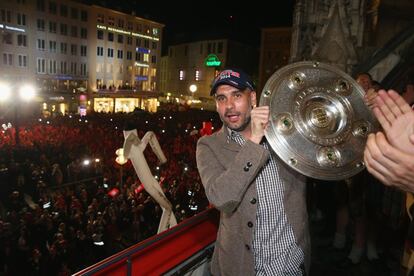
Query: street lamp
[26,93]
[193,88]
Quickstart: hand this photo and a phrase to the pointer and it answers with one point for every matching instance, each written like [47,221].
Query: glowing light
[27,92]
[113,192]
[86,162]
[120,159]
[193,88]
[5,92]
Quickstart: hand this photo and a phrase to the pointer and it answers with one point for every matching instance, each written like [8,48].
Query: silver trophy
[319,122]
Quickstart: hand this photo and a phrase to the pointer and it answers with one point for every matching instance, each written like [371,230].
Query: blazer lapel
[226,142]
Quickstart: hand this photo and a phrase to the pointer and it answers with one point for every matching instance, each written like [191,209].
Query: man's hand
[259,121]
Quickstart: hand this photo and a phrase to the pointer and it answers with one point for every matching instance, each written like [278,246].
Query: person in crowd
[363,197]
[263,222]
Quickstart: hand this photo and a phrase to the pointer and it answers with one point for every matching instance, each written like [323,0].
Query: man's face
[364,81]
[234,106]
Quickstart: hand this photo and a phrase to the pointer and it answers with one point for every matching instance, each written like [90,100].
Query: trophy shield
[319,122]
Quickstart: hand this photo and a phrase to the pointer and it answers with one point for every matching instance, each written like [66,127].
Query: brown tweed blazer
[228,172]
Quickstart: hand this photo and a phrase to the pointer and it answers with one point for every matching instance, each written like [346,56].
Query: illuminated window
[197,75]
[99,67]
[146,58]
[145,71]
[181,75]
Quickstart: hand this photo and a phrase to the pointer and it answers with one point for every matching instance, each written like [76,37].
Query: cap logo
[228,74]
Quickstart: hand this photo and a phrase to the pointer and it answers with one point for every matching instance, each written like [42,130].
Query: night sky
[191,20]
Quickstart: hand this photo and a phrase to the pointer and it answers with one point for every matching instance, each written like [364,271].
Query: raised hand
[259,121]
[389,164]
[396,118]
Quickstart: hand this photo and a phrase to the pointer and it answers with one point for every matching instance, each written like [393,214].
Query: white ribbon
[134,150]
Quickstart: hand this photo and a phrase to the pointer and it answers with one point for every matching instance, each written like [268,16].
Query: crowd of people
[63,204]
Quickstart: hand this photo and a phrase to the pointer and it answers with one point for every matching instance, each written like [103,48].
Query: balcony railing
[172,252]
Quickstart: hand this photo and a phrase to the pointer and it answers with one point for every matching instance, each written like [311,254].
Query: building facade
[274,52]
[189,68]
[68,50]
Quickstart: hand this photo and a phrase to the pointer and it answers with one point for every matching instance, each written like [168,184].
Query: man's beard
[243,126]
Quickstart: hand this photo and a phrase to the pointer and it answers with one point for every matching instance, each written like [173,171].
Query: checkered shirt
[274,245]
